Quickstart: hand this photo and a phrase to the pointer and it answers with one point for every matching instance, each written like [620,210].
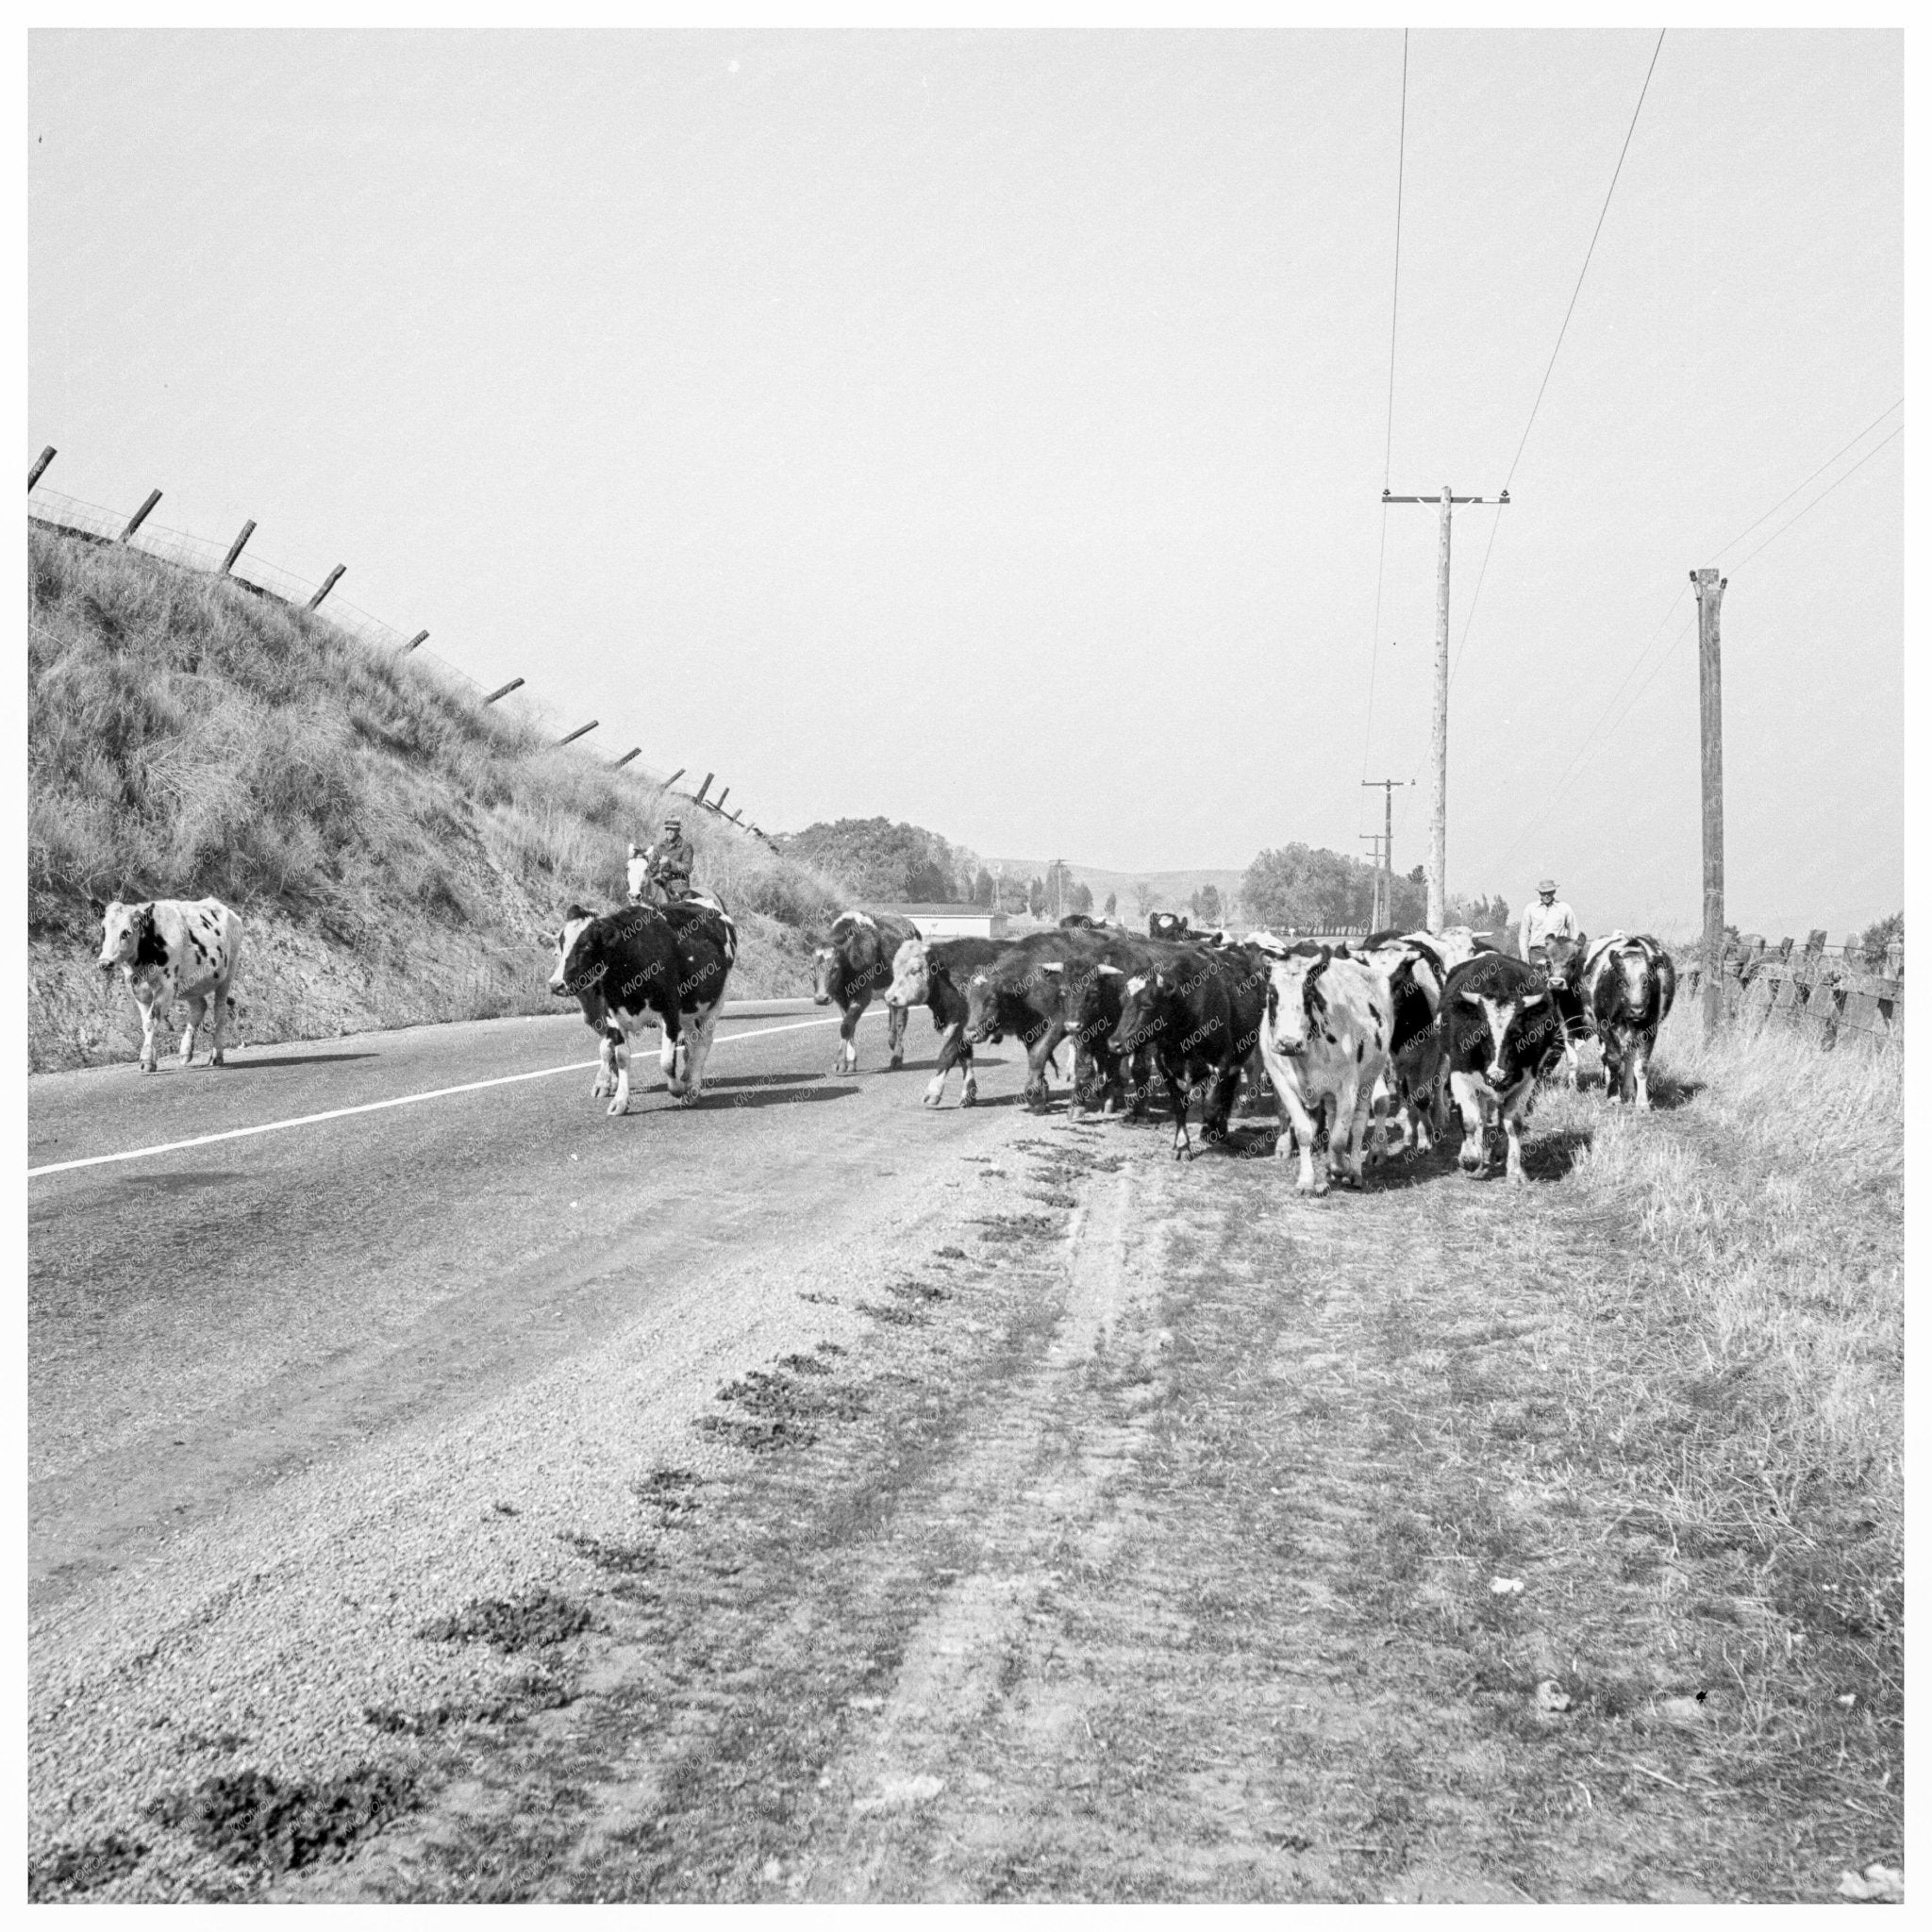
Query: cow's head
[825,964]
[1144,1000]
[1092,994]
[911,976]
[1297,1004]
[1560,959]
[637,869]
[127,933]
[581,962]
[982,1007]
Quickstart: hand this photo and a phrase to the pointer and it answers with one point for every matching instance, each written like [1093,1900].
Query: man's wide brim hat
[674,824]
[1547,885]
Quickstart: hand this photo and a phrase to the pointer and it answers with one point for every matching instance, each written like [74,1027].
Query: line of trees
[1312,890]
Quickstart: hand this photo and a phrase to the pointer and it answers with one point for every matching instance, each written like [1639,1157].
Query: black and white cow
[1501,1032]
[933,974]
[1201,1009]
[1416,965]
[1324,1042]
[1561,960]
[1627,984]
[646,966]
[170,949]
[854,963]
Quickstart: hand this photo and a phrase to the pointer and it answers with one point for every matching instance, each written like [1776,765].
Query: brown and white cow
[1627,984]
[170,949]
[1324,1042]
[854,963]
[933,974]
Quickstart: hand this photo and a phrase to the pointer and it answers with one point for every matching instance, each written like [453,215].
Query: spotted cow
[1324,1042]
[933,974]
[1627,985]
[646,966]
[854,963]
[170,949]
[1502,1031]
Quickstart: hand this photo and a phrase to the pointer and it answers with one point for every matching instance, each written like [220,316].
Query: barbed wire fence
[93,522]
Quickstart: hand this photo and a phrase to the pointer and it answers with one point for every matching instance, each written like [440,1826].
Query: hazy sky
[987,429]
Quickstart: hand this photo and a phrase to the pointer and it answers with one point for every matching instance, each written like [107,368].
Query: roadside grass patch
[538,1616]
[71,1871]
[251,1818]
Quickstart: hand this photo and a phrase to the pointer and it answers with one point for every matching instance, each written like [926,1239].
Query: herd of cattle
[1400,1027]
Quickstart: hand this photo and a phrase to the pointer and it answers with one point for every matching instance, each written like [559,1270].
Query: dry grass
[186,738]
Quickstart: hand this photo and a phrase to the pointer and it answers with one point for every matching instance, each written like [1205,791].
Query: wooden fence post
[235,548]
[139,516]
[674,777]
[699,799]
[571,737]
[503,690]
[718,803]
[328,584]
[412,643]
[40,462]
[626,758]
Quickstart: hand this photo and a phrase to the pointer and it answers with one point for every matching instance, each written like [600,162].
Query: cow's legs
[1297,1138]
[219,1057]
[847,1059]
[896,1034]
[605,1081]
[1038,1055]
[697,1050]
[1472,1103]
[153,1008]
[618,1047]
[952,1050]
[197,1013]
[1352,1119]
[1639,1063]
[1513,1118]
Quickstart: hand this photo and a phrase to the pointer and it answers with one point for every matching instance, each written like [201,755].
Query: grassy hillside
[394,848]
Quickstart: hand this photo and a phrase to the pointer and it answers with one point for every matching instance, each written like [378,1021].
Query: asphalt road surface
[207,1320]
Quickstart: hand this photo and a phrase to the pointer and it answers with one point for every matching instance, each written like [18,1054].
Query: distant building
[953,921]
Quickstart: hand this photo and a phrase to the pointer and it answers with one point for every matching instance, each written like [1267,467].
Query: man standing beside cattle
[1546,917]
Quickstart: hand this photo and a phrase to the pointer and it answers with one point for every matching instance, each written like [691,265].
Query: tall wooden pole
[1710,724]
[1439,736]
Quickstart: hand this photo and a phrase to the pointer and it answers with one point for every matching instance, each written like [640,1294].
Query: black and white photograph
[966,960]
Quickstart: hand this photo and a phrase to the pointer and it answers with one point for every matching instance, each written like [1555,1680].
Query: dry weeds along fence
[1818,990]
[91,523]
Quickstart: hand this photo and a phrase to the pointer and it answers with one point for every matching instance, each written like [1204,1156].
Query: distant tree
[1080,897]
[1419,875]
[1107,912]
[875,859]
[1205,906]
[1144,896]
[1035,897]
[1307,888]
[1485,914]
[981,893]
[1876,937]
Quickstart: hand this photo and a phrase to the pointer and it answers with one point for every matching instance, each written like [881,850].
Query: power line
[1813,477]
[1615,174]
[1388,427]
[1556,791]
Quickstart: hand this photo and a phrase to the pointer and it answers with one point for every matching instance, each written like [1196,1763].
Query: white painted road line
[309,1120]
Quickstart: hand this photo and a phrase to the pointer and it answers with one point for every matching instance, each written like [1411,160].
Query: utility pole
[1387,787]
[1375,857]
[1438,732]
[1710,724]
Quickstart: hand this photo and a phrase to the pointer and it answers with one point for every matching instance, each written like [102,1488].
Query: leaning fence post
[412,643]
[674,777]
[139,516]
[328,584]
[699,798]
[718,803]
[235,548]
[626,758]
[40,462]
[1895,960]
[569,737]
[503,690]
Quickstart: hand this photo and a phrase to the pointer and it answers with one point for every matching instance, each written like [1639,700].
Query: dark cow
[933,974]
[1079,922]
[1090,992]
[1023,992]
[855,963]
[1561,961]
[1501,1032]
[170,949]
[647,966]
[1627,984]
[1201,1008]
[1172,927]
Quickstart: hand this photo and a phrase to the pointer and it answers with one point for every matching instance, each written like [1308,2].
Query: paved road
[206,1320]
